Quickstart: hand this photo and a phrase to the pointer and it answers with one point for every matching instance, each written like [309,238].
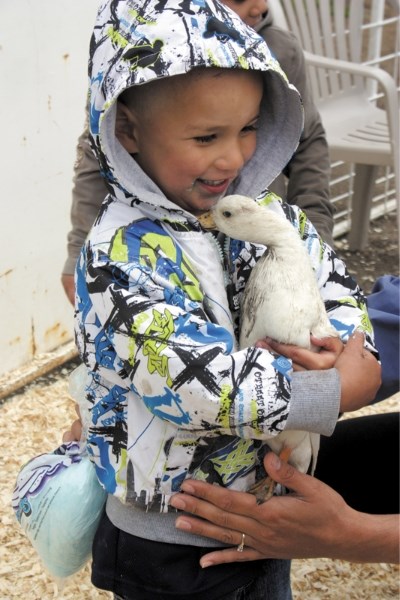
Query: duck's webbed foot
[264,489]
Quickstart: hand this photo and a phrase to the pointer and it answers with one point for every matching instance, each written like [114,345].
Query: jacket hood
[134,43]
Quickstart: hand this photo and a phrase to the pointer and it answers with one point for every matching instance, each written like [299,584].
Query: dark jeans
[274,584]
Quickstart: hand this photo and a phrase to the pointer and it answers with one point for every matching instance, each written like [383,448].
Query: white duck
[281,301]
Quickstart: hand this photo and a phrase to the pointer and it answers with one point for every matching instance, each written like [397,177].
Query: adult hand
[68,284]
[311,521]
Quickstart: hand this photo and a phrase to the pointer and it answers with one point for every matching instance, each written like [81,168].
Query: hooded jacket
[169,393]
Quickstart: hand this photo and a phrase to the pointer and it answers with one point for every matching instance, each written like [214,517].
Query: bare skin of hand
[360,374]
[359,371]
[74,433]
[311,521]
[68,284]
[307,360]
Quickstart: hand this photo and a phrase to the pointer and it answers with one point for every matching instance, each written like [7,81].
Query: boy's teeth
[208,182]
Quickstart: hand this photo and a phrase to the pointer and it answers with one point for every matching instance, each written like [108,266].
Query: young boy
[306,176]
[186,105]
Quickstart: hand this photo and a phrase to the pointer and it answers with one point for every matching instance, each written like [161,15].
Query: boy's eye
[252,127]
[204,139]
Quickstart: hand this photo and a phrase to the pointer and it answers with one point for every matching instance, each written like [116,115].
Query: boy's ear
[125,128]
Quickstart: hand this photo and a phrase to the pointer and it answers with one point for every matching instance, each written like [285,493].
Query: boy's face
[250,11]
[196,134]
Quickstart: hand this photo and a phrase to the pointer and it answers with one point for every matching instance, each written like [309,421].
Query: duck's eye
[227,214]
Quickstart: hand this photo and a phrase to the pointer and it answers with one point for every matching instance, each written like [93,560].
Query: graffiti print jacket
[168,392]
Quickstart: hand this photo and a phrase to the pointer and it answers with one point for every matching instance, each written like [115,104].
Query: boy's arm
[357,365]
[358,369]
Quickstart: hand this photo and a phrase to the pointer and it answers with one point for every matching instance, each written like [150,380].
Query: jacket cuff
[315,401]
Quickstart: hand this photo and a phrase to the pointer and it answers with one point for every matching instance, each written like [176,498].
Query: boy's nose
[232,159]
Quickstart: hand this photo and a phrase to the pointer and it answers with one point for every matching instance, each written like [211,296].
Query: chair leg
[364,182]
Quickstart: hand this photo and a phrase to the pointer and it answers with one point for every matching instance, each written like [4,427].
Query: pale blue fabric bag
[58,502]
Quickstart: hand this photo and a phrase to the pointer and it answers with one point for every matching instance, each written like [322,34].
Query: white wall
[43,80]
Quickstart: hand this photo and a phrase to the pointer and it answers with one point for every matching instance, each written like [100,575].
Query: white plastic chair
[357,130]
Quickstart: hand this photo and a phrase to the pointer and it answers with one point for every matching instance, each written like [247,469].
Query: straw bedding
[32,422]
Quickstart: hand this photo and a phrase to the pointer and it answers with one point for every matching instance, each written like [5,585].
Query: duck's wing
[255,304]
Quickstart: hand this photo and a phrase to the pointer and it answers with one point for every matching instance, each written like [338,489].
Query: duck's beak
[207,220]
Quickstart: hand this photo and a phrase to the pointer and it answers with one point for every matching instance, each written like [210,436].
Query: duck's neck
[281,238]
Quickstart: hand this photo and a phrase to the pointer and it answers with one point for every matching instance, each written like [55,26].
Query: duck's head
[242,218]
[239,217]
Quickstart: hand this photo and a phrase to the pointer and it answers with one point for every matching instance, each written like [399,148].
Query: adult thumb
[282,472]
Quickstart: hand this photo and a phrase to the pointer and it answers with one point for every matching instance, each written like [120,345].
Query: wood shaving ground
[32,422]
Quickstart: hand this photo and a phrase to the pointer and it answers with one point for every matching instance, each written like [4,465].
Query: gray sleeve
[89,191]
[315,401]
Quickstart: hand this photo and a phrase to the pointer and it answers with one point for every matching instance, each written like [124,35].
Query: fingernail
[358,331]
[205,563]
[178,502]
[181,523]
[276,462]
[186,487]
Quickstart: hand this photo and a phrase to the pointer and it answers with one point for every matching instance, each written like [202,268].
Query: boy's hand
[68,284]
[360,374]
[74,433]
[302,359]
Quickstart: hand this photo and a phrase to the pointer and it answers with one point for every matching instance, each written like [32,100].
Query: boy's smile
[193,136]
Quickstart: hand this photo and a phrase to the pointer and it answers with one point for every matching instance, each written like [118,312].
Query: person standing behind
[305,179]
